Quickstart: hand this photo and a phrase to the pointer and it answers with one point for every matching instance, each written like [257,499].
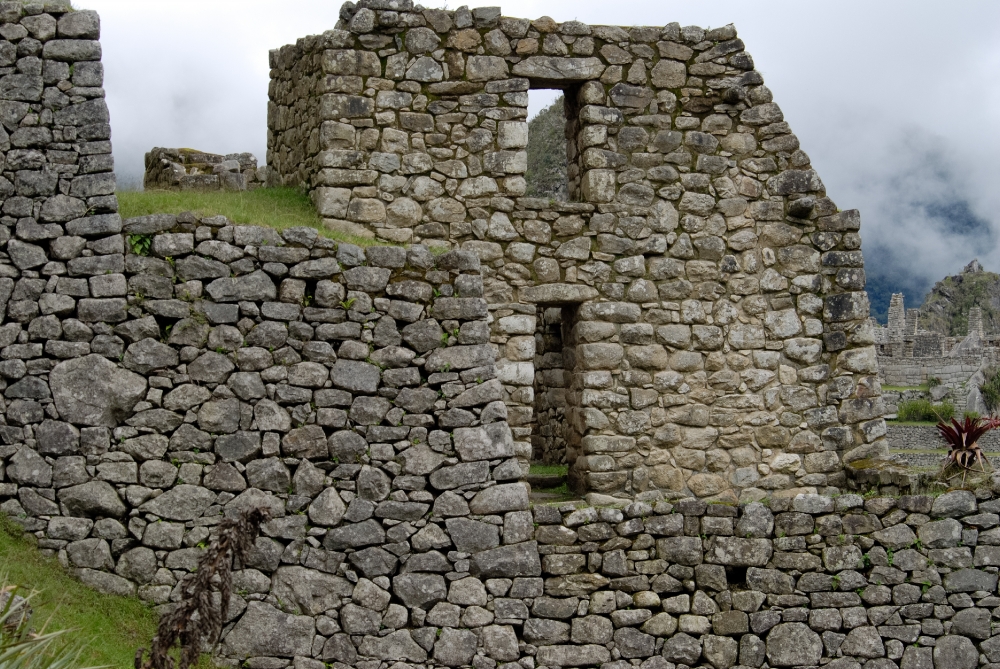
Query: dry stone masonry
[188,169]
[693,322]
[706,337]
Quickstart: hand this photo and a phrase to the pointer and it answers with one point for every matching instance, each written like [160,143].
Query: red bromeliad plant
[962,438]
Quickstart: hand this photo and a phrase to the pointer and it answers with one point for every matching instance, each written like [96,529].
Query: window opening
[548,161]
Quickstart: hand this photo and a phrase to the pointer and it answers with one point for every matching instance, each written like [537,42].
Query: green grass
[923,410]
[110,628]
[277,208]
[901,389]
[548,470]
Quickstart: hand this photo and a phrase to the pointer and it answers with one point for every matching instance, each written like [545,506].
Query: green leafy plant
[347,304]
[23,648]
[140,244]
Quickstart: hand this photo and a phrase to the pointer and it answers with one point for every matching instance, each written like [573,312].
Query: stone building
[693,320]
[152,390]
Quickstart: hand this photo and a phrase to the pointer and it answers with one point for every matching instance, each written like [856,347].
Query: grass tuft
[108,628]
[548,470]
[277,208]
[923,410]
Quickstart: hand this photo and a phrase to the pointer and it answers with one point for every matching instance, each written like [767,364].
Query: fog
[895,102]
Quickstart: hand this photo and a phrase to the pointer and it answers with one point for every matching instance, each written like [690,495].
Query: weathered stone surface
[94,391]
[741,552]
[183,502]
[264,630]
[573,656]
[508,561]
[793,644]
[955,652]
[96,498]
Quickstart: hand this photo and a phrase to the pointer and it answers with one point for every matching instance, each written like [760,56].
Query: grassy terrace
[277,208]
[108,629]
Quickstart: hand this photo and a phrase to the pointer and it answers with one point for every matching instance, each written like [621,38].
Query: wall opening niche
[551,145]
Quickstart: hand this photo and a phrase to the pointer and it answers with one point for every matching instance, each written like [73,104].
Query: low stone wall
[189,169]
[952,372]
[925,437]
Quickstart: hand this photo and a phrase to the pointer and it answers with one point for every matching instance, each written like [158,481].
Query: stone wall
[57,170]
[926,437]
[711,295]
[189,169]
[952,371]
[379,403]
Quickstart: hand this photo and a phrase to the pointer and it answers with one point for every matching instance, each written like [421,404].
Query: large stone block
[264,630]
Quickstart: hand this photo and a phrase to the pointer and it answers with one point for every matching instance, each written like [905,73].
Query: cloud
[926,210]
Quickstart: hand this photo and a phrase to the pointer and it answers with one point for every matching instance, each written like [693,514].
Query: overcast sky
[897,103]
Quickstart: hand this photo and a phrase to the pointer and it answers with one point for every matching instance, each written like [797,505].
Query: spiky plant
[199,616]
[21,647]
[962,439]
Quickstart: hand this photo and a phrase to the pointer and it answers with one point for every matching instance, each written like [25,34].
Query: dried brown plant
[199,616]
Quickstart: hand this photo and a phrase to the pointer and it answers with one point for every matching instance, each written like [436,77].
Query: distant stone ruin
[190,169]
[910,356]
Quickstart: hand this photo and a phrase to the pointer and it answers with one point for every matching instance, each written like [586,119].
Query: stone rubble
[188,169]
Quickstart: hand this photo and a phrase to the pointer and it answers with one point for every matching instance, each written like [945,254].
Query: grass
[109,628]
[277,208]
[548,470]
[923,410]
[902,389]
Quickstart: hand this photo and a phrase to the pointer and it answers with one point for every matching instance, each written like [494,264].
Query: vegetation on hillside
[546,174]
[990,391]
[946,307]
[278,208]
[107,628]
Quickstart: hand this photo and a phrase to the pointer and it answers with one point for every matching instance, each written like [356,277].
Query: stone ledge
[558,293]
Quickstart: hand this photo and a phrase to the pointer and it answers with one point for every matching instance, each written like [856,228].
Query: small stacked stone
[57,169]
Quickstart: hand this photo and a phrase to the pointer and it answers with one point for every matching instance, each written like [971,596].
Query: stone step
[545,482]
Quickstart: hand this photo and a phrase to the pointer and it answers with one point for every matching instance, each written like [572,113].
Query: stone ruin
[694,320]
[706,336]
[910,356]
[190,169]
